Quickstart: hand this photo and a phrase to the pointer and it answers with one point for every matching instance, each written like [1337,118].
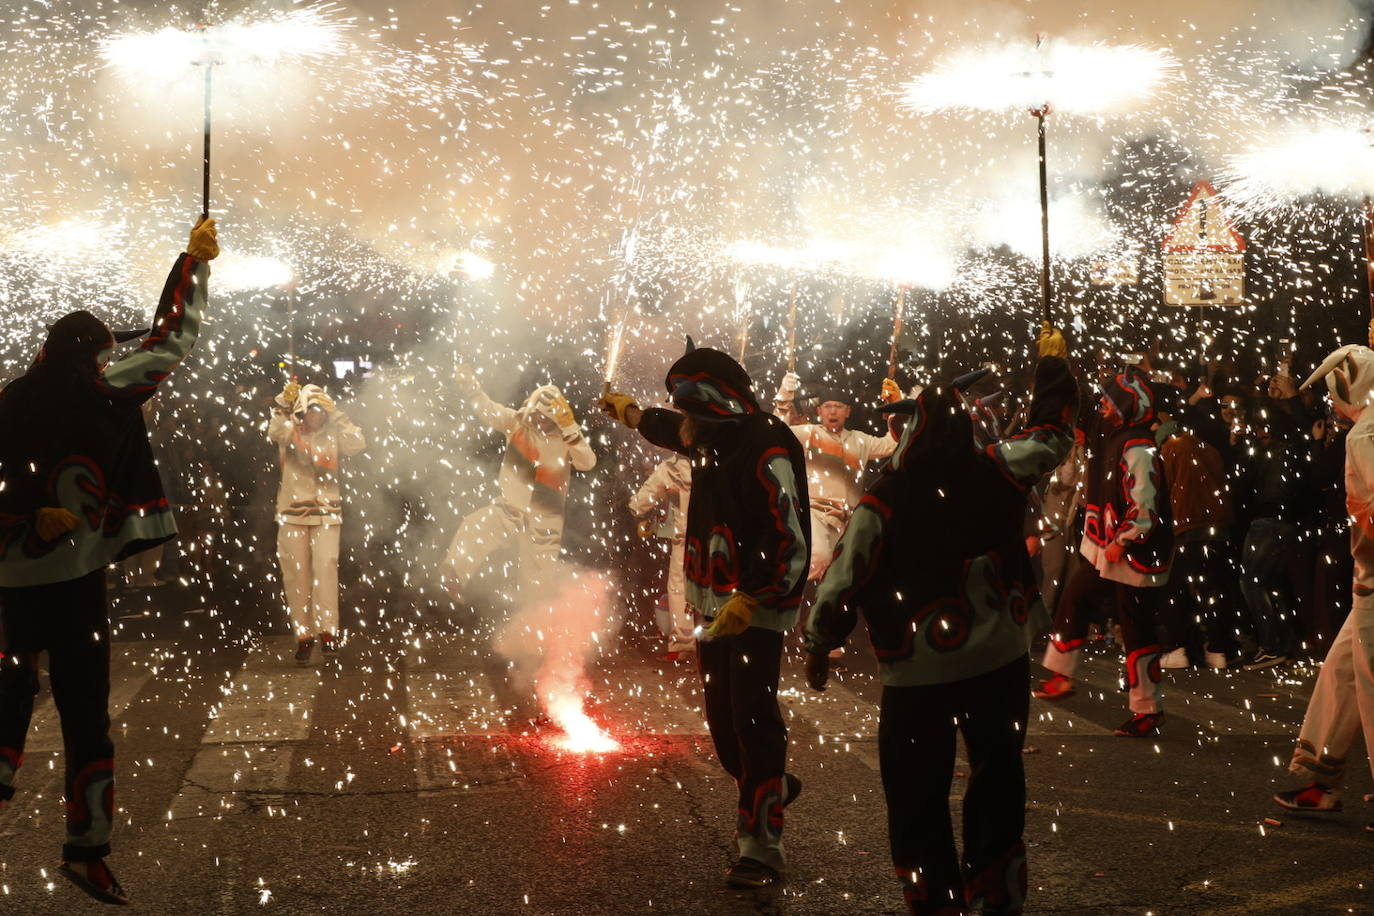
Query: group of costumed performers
[79,490]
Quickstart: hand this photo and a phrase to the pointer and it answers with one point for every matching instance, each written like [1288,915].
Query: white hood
[1349,374]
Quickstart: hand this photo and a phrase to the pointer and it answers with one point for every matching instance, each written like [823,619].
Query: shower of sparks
[168,54]
[237,274]
[1091,80]
[1327,161]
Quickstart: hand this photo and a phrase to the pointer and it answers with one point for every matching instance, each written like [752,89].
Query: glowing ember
[580,734]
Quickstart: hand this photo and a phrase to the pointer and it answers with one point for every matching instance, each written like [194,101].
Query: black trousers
[916,745]
[740,680]
[1202,588]
[1086,590]
[69,621]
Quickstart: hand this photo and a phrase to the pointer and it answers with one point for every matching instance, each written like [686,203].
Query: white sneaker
[1178,658]
[1215,660]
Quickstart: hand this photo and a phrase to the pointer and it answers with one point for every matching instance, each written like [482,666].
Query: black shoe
[750,873]
[1263,658]
[305,648]
[793,786]
[96,879]
[1141,726]
[329,646]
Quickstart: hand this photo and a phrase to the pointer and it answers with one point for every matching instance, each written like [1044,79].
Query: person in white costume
[835,461]
[543,445]
[311,435]
[1342,704]
[672,478]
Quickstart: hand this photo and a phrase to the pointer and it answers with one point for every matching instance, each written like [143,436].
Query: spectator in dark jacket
[1278,475]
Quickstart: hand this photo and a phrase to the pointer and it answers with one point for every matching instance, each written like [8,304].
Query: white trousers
[1342,704]
[483,532]
[826,530]
[680,622]
[309,556]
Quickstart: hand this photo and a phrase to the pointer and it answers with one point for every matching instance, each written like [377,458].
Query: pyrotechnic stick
[896,333]
[613,343]
[1369,251]
[1045,312]
[743,334]
[205,164]
[791,332]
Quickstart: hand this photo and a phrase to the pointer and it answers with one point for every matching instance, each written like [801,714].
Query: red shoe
[1141,725]
[1312,797]
[1056,688]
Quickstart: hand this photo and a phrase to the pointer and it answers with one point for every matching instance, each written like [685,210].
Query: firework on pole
[1095,80]
[1277,182]
[168,54]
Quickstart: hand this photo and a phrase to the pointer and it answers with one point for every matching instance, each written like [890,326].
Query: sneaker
[1056,688]
[793,786]
[837,653]
[96,879]
[1215,660]
[750,873]
[671,656]
[329,646]
[1178,658]
[1141,725]
[1263,658]
[305,648]
[1311,797]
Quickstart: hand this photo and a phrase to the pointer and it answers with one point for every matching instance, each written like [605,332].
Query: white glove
[791,384]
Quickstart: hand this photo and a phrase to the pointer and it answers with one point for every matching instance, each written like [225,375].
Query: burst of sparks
[166,54]
[1093,79]
[580,733]
[1335,161]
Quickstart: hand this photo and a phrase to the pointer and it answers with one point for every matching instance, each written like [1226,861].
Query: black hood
[711,386]
[73,343]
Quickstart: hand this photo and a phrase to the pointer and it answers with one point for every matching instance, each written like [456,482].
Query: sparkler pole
[792,332]
[1045,290]
[896,333]
[205,170]
[1369,250]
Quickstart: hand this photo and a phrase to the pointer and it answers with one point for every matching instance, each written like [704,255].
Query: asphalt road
[414,774]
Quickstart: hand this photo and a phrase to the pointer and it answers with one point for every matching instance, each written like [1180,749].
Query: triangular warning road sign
[1202,224]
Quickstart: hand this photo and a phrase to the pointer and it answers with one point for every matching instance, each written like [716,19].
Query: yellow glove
[1051,342]
[53,521]
[204,245]
[617,406]
[289,393]
[891,392]
[733,617]
[646,527]
[325,401]
[563,413]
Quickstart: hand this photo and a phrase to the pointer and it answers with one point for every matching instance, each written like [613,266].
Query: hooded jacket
[935,557]
[1127,495]
[748,521]
[74,437]
[310,492]
[537,466]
